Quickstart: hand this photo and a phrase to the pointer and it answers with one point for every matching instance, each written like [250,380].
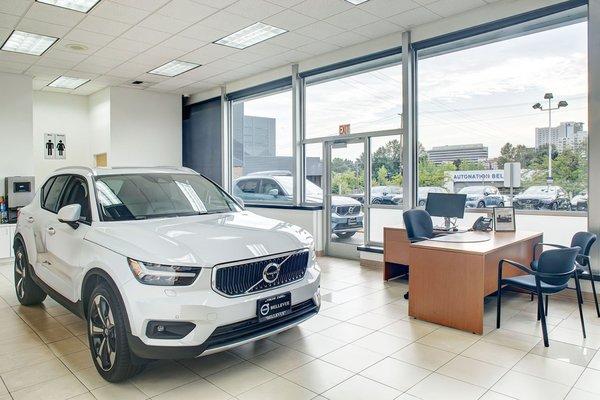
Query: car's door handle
[51,231]
[30,220]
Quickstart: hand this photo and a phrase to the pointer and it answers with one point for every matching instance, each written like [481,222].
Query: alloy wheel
[21,273]
[102,333]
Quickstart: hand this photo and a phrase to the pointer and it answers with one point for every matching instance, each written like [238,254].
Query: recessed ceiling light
[77,5]
[357,2]
[250,35]
[173,68]
[76,46]
[67,82]
[28,43]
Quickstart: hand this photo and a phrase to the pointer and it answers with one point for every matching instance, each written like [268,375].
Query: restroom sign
[55,146]
[344,129]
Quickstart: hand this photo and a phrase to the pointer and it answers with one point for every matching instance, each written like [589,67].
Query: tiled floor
[361,346]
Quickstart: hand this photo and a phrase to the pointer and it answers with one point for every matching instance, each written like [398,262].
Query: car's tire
[377,200]
[481,204]
[554,206]
[345,235]
[107,336]
[421,203]
[28,292]
[501,204]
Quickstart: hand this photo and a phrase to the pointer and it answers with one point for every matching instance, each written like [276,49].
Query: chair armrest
[515,264]
[535,246]
[586,259]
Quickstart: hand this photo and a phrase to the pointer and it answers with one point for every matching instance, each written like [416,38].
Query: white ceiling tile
[15,7]
[13,67]
[89,48]
[156,56]
[87,37]
[255,9]
[88,88]
[129,45]
[128,70]
[54,15]
[385,8]
[91,65]
[295,55]
[56,63]
[145,35]
[119,12]
[225,64]
[414,17]
[378,29]
[289,19]
[267,49]
[56,89]
[38,84]
[42,28]
[352,18]
[103,25]
[227,21]
[208,53]
[18,57]
[4,34]
[317,48]
[164,23]
[183,43]
[425,2]
[346,39]
[245,57]
[8,21]
[115,54]
[45,72]
[201,32]
[215,3]
[203,72]
[61,54]
[290,40]
[146,77]
[321,9]
[186,10]
[148,5]
[445,8]
[286,3]
[109,80]
[319,30]
[81,74]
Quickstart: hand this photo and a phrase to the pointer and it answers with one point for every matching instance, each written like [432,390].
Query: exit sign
[344,129]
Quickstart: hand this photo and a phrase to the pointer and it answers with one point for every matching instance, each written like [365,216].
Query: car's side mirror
[240,201]
[274,192]
[70,215]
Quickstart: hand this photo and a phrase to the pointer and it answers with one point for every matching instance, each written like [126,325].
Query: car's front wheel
[28,292]
[107,336]
[481,204]
[345,235]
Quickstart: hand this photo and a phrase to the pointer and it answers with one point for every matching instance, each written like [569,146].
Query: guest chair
[554,269]
[419,227]
[584,240]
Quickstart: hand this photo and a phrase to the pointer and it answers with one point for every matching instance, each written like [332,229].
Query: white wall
[145,128]
[99,119]
[16,116]
[65,114]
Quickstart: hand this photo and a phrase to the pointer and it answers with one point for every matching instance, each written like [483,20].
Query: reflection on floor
[361,346]
[357,239]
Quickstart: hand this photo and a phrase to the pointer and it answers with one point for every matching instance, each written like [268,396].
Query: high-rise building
[252,136]
[463,152]
[567,135]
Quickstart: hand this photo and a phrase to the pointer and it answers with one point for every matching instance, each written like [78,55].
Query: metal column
[594,124]
[409,115]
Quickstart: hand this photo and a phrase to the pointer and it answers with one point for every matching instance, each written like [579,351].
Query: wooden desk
[448,280]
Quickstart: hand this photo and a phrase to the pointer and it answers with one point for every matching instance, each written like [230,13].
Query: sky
[478,95]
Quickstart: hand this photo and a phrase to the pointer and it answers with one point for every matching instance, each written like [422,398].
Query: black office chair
[419,227]
[585,241]
[554,269]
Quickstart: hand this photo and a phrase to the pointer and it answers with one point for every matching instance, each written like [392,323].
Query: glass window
[368,101]
[76,192]
[51,199]
[46,189]
[144,196]
[475,115]
[262,141]
[386,170]
[313,173]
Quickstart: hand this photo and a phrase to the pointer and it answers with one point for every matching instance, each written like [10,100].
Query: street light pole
[538,106]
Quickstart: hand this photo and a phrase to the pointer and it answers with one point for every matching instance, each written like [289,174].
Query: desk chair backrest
[584,240]
[418,224]
[558,261]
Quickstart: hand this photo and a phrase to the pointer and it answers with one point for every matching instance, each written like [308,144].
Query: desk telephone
[483,224]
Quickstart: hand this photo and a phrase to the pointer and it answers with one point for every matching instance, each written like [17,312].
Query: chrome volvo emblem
[271,272]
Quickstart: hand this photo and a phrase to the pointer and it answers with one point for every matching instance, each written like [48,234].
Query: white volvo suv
[162,263]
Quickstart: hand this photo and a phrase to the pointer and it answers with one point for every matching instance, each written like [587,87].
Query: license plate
[274,307]
[352,221]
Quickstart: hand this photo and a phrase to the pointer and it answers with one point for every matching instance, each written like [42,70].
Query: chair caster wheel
[406,295]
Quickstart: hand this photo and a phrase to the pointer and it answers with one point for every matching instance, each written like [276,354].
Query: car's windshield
[471,190]
[141,196]
[312,190]
[541,190]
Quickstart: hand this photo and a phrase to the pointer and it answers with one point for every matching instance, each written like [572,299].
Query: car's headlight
[163,275]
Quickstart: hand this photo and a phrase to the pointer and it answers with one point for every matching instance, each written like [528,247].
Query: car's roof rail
[89,169]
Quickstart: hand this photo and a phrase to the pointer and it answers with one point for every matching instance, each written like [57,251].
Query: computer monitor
[446,205]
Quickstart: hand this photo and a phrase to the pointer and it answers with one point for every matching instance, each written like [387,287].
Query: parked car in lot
[423,192]
[580,202]
[346,213]
[543,197]
[161,263]
[386,195]
[482,196]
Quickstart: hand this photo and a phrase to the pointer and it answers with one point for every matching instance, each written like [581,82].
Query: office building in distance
[463,152]
[567,135]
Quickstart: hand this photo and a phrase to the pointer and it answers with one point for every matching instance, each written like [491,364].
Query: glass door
[344,222]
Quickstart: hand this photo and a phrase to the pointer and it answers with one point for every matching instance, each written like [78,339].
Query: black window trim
[62,193]
[73,176]
[43,200]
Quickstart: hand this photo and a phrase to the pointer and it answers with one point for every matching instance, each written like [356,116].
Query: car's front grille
[248,277]
[347,210]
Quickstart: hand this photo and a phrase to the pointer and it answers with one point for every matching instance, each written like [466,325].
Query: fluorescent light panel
[173,68]
[250,35]
[357,2]
[67,82]
[77,5]
[28,43]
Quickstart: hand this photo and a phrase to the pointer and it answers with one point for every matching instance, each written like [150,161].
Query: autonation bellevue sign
[494,175]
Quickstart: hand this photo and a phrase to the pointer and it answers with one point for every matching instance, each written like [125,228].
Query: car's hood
[533,197]
[204,240]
